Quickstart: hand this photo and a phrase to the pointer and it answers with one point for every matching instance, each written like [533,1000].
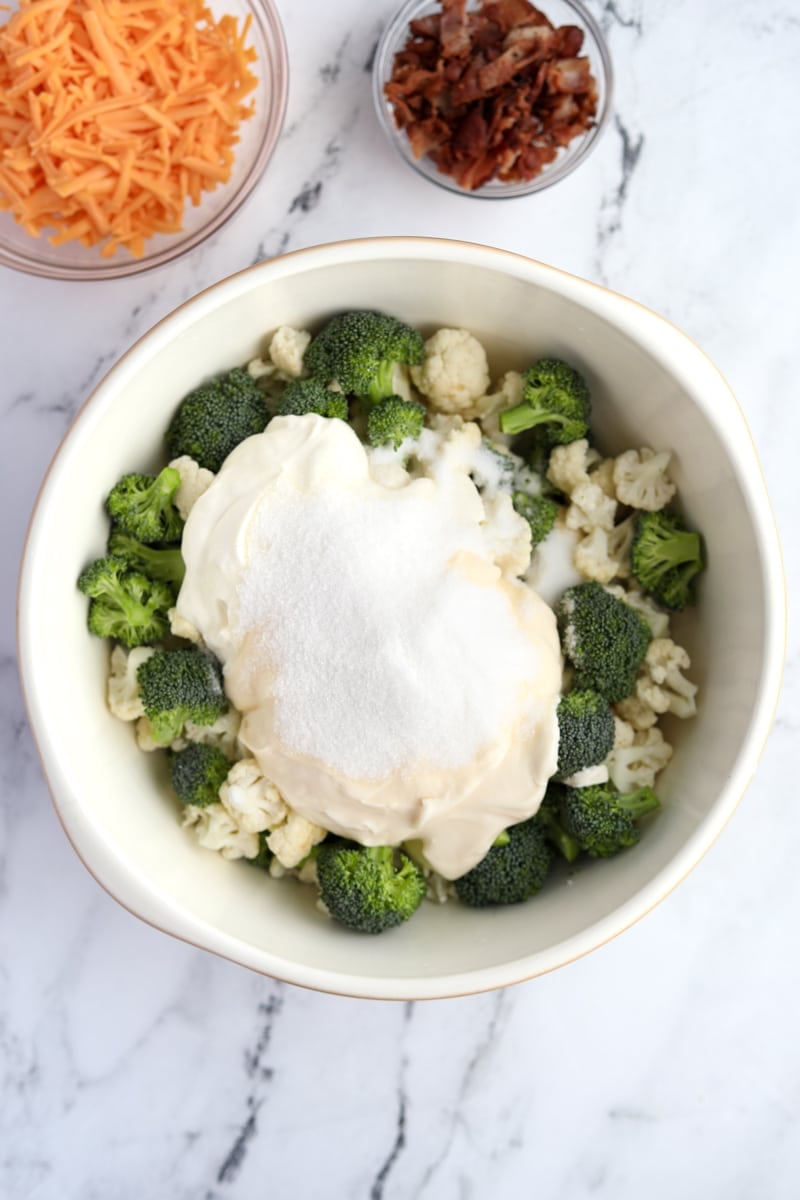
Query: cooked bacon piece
[456,42]
[493,92]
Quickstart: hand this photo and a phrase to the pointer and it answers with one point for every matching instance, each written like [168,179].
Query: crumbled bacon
[491,93]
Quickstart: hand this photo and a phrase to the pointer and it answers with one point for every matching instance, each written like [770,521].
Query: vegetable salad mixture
[597,537]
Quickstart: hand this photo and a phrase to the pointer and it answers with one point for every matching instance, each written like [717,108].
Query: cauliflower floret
[508,392]
[182,628]
[569,465]
[259,368]
[308,871]
[641,479]
[604,555]
[602,474]
[454,374]
[194,481]
[623,733]
[636,713]
[656,618]
[287,348]
[294,839]
[661,683]
[254,803]
[124,699]
[635,766]
[591,508]
[216,829]
[507,534]
[223,734]
[588,777]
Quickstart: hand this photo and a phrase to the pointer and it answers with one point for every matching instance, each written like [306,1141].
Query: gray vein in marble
[259,1073]
[398,1145]
[611,15]
[483,1048]
[612,206]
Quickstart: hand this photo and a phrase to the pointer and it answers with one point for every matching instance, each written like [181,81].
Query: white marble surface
[662,1065]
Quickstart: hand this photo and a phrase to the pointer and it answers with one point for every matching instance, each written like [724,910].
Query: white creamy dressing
[396,680]
[552,569]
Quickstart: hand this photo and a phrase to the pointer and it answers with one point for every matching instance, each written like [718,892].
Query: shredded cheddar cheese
[114,114]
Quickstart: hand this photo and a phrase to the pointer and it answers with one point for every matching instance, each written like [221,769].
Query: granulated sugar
[385,653]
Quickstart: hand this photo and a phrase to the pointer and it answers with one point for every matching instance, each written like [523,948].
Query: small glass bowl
[258,137]
[559,12]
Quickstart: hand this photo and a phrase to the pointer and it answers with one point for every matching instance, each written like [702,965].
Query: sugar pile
[385,653]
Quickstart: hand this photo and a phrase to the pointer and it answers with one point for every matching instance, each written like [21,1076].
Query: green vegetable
[666,558]
[393,420]
[360,350]
[125,604]
[549,818]
[214,418]
[602,820]
[179,686]
[368,888]
[585,731]
[198,772]
[164,563]
[142,506]
[265,856]
[312,396]
[512,871]
[539,511]
[603,637]
[555,402]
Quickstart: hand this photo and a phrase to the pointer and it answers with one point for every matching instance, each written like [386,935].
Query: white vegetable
[623,733]
[454,374]
[182,628]
[145,741]
[223,734]
[641,479]
[636,712]
[507,535]
[287,349]
[656,618]
[253,802]
[602,474]
[637,765]
[593,557]
[215,829]
[294,839]
[508,392]
[569,465]
[124,699]
[194,481]
[591,508]
[661,682]
[588,777]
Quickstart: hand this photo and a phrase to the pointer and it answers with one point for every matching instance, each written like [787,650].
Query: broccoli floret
[265,856]
[214,418]
[312,396]
[549,818]
[514,869]
[125,604]
[601,820]
[393,420]
[164,563]
[604,639]
[666,557]
[142,506]
[368,888]
[539,511]
[555,402]
[177,686]
[198,772]
[585,731]
[360,350]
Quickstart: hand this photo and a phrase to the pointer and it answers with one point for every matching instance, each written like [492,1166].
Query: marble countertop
[661,1065]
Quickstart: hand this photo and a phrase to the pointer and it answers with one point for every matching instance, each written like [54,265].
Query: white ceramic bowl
[651,385]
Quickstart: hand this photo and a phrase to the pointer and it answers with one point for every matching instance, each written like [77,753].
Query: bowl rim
[276,79]
[561,167]
[133,891]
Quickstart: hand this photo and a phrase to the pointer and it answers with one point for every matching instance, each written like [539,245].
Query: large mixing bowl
[651,386]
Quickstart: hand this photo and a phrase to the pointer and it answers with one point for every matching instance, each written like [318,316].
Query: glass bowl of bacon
[129,133]
[493,98]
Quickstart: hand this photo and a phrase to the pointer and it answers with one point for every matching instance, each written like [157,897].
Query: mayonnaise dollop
[395,679]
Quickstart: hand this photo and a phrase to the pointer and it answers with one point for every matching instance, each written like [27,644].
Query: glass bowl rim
[561,167]
[266,18]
